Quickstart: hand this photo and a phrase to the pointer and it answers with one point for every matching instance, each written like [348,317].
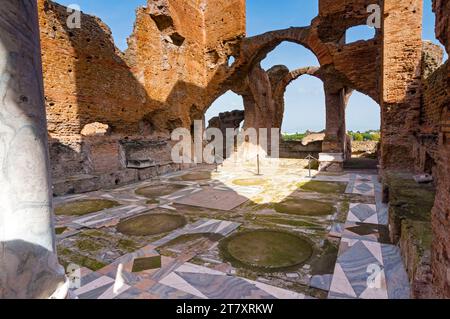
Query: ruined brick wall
[224,21]
[434,98]
[162,81]
[175,50]
[86,77]
[441,212]
[401,81]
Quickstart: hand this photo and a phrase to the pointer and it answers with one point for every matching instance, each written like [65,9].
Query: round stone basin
[267,249]
[304,207]
[84,207]
[196,176]
[250,182]
[150,224]
[324,187]
[158,190]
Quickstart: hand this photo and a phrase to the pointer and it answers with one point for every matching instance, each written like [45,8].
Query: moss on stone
[323,187]
[84,207]
[266,250]
[60,230]
[304,207]
[151,224]
[127,245]
[408,199]
[69,257]
[146,263]
[88,245]
[420,233]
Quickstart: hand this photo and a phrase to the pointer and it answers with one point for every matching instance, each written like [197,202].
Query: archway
[226,112]
[363,122]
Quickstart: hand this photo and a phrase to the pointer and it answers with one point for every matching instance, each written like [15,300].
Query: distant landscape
[371,135]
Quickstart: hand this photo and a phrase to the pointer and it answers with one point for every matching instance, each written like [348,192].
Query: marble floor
[352,257]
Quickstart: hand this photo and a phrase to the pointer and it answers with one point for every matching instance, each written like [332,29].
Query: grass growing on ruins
[84,207]
[151,224]
[266,250]
[323,187]
[66,257]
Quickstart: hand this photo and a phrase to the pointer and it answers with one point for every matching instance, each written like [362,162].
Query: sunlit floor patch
[84,207]
[151,224]
[250,182]
[266,249]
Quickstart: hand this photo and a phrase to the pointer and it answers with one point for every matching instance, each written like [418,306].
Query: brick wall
[441,212]
[401,81]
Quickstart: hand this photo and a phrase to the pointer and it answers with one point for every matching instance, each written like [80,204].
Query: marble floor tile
[213,199]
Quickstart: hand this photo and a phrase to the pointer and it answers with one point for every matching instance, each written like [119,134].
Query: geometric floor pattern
[203,226]
[368,267]
[361,185]
[185,281]
[363,213]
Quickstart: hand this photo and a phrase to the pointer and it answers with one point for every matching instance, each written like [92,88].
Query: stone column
[334,145]
[28,263]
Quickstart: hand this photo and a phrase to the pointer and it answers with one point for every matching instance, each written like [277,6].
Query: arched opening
[227,102]
[304,106]
[363,122]
[303,129]
[359,33]
[292,55]
[227,112]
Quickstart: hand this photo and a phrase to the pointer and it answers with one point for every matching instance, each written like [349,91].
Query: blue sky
[305,101]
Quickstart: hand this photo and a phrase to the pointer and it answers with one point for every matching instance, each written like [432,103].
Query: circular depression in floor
[304,207]
[84,207]
[267,249]
[154,191]
[150,224]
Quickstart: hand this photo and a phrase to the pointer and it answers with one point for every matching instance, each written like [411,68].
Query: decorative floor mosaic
[367,267]
[363,265]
